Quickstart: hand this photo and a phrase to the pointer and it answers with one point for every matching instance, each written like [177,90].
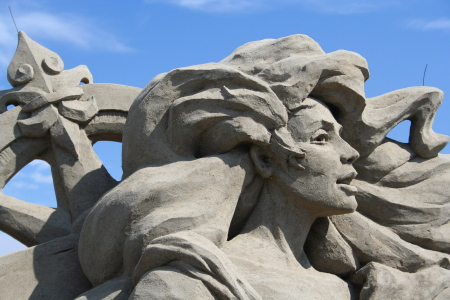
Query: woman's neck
[279,226]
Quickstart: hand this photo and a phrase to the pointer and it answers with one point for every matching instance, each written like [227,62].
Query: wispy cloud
[24,185]
[344,7]
[34,183]
[65,28]
[40,165]
[41,173]
[8,41]
[439,24]
[215,5]
[71,29]
[30,177]
[324,6]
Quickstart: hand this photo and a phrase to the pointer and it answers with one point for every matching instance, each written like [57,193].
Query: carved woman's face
[324,184]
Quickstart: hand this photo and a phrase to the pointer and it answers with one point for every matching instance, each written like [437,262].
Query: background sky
[131,42]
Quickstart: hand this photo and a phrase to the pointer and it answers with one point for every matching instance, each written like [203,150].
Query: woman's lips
[344,182]
[347,178]
[348,188]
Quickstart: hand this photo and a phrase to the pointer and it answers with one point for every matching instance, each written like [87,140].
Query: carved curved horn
[417,104]
[367,121]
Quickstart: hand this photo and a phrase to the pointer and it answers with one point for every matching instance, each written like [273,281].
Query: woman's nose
[348,154]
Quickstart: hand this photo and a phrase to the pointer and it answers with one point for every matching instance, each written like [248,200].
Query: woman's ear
[261,158]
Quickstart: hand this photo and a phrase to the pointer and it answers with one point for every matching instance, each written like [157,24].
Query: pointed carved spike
[32,224]
[26,65]
[65,134]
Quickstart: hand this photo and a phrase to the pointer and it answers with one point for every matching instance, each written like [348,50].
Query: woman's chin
[348,205]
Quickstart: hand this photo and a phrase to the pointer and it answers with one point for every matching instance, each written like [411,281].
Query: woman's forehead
[313,116]
[315,110]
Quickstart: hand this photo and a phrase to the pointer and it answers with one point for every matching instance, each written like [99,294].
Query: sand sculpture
[267,175]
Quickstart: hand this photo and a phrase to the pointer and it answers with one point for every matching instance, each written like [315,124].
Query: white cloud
[40,165]
[24,185]
[344,7]
[325,6]
[215,5]
[64,28]
[71,29]
[30,177]
[41,173]
[8,41]
[439,24]
[41,178]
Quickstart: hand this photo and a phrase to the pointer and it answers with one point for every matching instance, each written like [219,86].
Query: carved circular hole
[10,106]
[84,81]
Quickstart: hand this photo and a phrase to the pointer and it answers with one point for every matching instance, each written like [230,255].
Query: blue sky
[131,42]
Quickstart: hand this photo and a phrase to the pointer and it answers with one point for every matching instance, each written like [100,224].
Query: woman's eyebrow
[327,125]
[331,126]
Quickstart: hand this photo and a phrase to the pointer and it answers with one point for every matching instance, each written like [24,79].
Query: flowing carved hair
[213,108]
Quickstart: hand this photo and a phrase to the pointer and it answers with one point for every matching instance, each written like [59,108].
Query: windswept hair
[213,108]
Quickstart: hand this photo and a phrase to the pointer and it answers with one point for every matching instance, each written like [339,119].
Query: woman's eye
[321,137]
